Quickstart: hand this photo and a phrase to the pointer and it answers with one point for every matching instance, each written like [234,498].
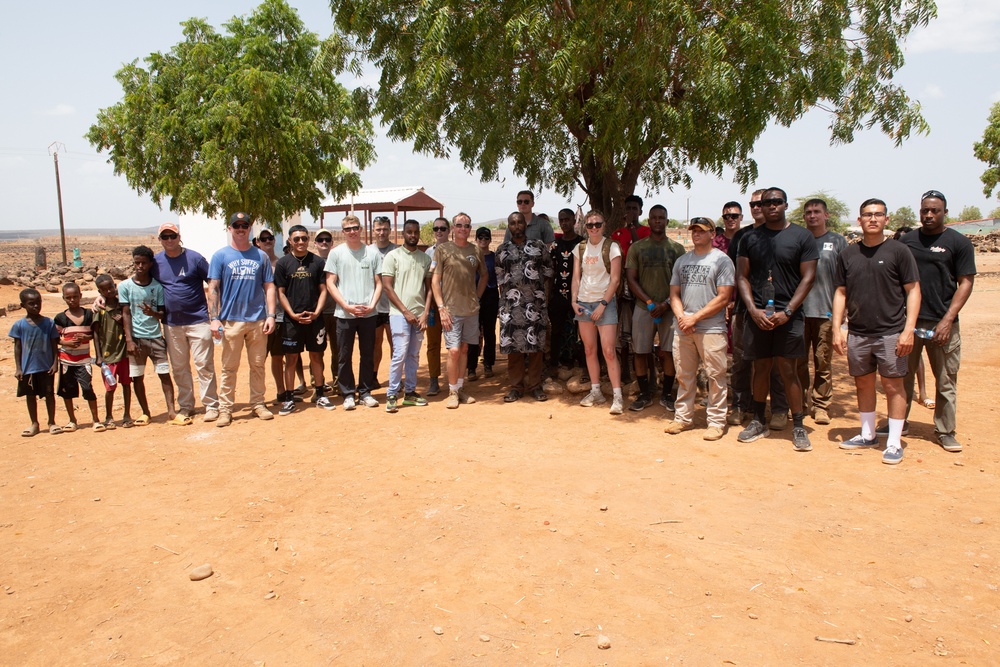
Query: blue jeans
[406,341]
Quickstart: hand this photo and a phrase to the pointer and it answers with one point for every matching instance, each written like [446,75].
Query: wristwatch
[789,312]
[603,302]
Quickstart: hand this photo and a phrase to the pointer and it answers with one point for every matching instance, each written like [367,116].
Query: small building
[367,203]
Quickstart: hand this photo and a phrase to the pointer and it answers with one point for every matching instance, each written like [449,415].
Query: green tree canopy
[995,213]
[970,213]
[904,216]
[601,94]
[840,214]
[253,120]
[988,150]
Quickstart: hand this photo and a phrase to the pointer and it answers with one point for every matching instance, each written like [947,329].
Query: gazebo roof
[385,200]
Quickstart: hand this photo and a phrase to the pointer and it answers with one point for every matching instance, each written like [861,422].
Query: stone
[438,630]
[201,572]
[976,520]
[603,642]
[484,638]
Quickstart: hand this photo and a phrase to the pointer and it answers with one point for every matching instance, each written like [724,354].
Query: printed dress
[522,272]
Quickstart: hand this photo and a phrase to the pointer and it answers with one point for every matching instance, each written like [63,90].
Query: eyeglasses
[266,239]
[324,240]
[240,225]
[868,215]
[299,239]
[731,216]
[168,237]
[348,230]
[523,201]
[777,201]
[594,225]
[756,204]
[463,225]
[440,229]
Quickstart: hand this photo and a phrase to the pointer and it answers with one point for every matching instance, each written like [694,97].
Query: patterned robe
[522,273]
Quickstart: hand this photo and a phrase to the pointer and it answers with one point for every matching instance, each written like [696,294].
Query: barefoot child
[75,326]
[36,341]
[109,349]
[141,297]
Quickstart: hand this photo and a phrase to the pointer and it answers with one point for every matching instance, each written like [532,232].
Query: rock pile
[986,242]
[52,280]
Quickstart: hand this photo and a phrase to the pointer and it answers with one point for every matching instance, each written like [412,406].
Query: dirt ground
[500,535]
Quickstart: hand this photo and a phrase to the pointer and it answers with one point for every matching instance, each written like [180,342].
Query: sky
[61,59]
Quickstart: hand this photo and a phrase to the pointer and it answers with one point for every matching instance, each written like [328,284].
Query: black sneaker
[641,402]
[883,430]
[755,430]
[800,440]
[949,443]
[667,401]
[287,408]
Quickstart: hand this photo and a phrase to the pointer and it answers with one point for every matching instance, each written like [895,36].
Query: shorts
[154,349]
[274,340]
[643,329]
[35,384]
[787,341]
[866,354]
[609,316]
[295,337]
[382,320]
[73,380]
[119,369]
[464,329]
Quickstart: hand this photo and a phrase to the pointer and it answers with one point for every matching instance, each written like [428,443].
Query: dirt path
[535,526]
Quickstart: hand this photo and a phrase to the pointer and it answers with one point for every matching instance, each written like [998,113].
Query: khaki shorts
[154,349]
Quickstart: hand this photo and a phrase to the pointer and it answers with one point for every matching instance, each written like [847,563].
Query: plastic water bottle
[769,296]
[431,320]
[109,377]
[769,308]
[218,339]
[650,307]
[923,333]
[586,311]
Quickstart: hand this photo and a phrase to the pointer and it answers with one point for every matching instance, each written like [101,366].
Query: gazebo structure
[383,200]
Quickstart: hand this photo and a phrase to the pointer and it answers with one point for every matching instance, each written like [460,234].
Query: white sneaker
[595,397]
[348,402]
[369,401]
[616,406]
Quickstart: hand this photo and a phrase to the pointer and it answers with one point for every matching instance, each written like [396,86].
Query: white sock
[461,382]
[868,425]
[453,387]
[595,388]
[617,391]
[895,431]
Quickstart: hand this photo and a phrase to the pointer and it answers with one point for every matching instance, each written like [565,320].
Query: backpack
[606,256]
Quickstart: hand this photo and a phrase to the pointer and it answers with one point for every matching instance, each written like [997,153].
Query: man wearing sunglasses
[183,274]
[441,228]
[241,303]
[539,228]
[732,219]
[631,232]
[777,262]
[324,244]
[354,281]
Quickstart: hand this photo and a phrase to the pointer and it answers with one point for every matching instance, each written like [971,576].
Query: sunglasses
[755,204]
[168,237]
[266,239]
[324,240]
[440,229]
[463,226]
[523,201]
[240,225]
[594,225]
[777,201]
[348,230]
[731,216]
[299,239]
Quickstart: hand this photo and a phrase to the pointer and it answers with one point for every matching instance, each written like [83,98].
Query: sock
[758,408]
[617,391]
[797,419]
[461,383]
[453,387]
[643,384]
[668,385]
[895,431]
[595,388]
[868,425]
[319,391]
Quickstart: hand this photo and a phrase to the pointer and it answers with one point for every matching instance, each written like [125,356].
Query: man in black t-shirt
[876,283]
[946,261]
[563,343]
[301,282]
[776,262]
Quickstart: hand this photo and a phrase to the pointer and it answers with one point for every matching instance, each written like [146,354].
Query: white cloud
[60,110]
[962,26]
[932,92]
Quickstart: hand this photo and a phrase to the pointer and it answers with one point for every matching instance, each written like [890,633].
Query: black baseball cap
[240,217]
[484,233]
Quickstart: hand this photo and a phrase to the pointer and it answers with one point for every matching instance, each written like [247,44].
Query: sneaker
[210,415]
[369,401]
[675,427]
[883,430]
[413,398]
[667,402]
[300,390]
[640,403]
[434,388]
[487,371]
[464,397]
[348,402]
[325,403]
[595,397]
[453,400]
[821,416]
[390,404]
[892,456]
[473,376]
[287,408]
[713,433]
[949,443]
[779,421]
[261,412]
[616,406]
[754,431]
[858,442]
[735,417]
[225,419]
[800,440]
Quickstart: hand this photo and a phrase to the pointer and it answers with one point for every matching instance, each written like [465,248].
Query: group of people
[741,313]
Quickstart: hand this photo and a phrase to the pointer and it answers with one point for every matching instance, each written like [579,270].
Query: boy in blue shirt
[36,344]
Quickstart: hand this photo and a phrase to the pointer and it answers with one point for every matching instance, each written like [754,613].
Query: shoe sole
[764,434]
[848,445]
[633,408]
[891,462]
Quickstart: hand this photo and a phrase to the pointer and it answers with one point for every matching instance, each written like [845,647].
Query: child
[36,344]
[110,348]
[141,297]
[75,326]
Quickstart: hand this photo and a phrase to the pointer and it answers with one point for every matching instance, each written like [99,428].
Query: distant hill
[11,235]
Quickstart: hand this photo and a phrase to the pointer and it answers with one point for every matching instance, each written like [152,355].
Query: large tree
[988,150]
[603,94]
[253,120]
[840,215]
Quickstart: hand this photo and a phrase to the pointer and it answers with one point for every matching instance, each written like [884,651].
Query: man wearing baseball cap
[183,273]
[241,303]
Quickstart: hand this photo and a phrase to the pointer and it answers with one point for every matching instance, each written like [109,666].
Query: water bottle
[430,318]
[109,378]
[768,295]
[769,308]
[923,333]
[218,339]
[586,311]
[650,306]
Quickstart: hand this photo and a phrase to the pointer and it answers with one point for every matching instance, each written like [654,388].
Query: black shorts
[381,320]
[274,347]
[787,341]
[35,384]
[295,337]
[73,380]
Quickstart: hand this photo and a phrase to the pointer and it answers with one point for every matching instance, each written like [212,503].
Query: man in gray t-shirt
[817,393]
[701,285]
[381,227]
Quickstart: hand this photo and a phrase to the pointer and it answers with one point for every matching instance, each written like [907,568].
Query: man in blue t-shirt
[241,303]
[183,273]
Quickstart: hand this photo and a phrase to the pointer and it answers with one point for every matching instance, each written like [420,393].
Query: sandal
[127,423]
[54,430]
[141,420]
[30,431]
[109,425]
[69,428]
[512,395]
[928,403]
[99,427]
[179,420]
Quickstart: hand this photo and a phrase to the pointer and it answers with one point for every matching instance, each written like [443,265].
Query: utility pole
[54,150]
